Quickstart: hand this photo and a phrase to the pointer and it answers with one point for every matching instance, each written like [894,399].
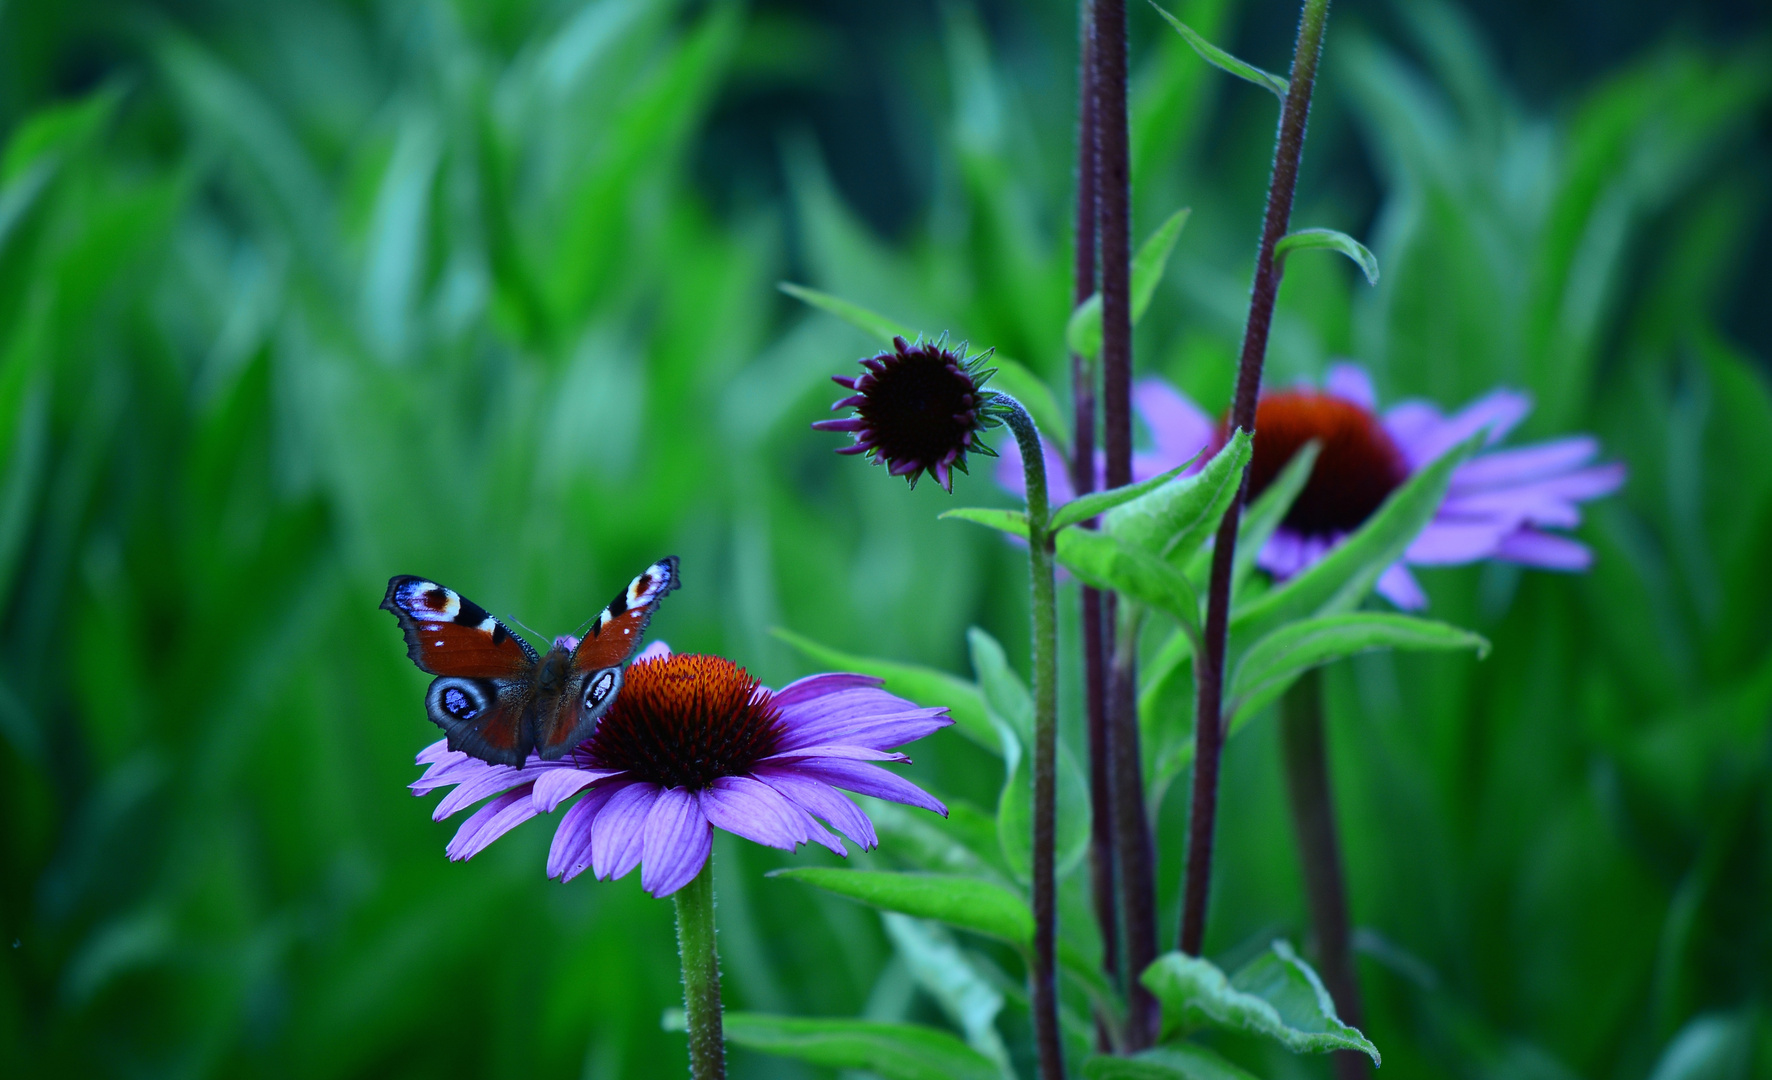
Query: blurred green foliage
[296,301]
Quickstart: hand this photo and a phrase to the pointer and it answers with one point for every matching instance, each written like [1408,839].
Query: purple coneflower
[692,743]
[918,408]
[1499,505]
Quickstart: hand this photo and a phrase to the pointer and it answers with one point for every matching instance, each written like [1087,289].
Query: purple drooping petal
[677,840]
[836,751]
[826,802]
[570,853]
[1502,468]
[1499,412]
[1544,551]
[617,832]
[438,752]
[479,784]
[881,732]
[813,687]
[1351,383]
[1399,586]
[860,777]
[1444,543]
[817,833]
[490,822]
[1179,430]
[555,787]
[833,712]
[754,810]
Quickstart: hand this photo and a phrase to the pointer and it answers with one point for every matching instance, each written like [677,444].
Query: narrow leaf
[943,971]
[1082,334]
[891,1051]
[869,322]
[1224,61]
[1182,1061]
[1277,996]
[1006,697]
[1262,517]
[1013,522]
[925,686]
[1347,574]
[1105,562]
[1015,815]
[1100,502]
[1334,241]
[1277,660]
[982,907]
[1179,516]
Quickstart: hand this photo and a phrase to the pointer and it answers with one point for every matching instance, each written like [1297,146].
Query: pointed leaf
[983,907]
[1347,574]
[1224,61]
[1277,660]
[1097,503]
[868,322]
[891,1051]
[943,971]
[1104,562]
[1277,996]
[1015,815]
[1013,522]
[1334,241]
[1179,516]
[1262,517]
[925,686]
[1006,697]
[1182,1061]
[1082,333]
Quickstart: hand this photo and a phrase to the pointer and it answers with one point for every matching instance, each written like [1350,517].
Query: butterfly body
[495,696]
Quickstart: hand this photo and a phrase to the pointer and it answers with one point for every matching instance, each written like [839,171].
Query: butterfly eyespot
[599,689]
[458,704]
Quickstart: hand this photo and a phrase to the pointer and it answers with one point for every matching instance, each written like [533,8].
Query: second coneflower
[919,408]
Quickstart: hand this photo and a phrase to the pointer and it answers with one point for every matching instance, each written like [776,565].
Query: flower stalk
[701,976]
[1101,839]
[1044,976]
[1209,675]
[1305,753]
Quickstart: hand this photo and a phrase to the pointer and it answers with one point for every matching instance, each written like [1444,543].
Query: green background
[298,295]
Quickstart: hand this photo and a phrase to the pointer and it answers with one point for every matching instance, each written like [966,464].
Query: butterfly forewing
[482,696]
[595,674]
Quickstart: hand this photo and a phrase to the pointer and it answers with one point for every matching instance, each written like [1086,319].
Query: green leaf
[1099,502]
[868,322]
[969,999]
[925,686]
[1262,517]
[1277,995]
[1347,574]
[1006,697]
[1183,1061]
[1013,522]
[1277,660]
[1015,815]
[1334,241]
[1082,333]
[892,1051]
[1105,562]
[982,907]
[1014,379]
[1224,61]
[1179,516]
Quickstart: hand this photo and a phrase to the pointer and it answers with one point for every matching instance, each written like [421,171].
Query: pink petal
[490,822]
[846,753]
[754,810]
[1544,550]
[570,853]
[555,787]
[815,686]
[617,830]
[828,803]
[1445,543]
[1505,467]
[859,776]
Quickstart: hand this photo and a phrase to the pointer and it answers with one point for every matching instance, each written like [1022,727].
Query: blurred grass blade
[890,1051]
[1224,61]
[1306,239]
[1083,333]
[869,322]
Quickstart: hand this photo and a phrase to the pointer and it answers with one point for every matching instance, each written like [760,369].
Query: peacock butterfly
[495,697]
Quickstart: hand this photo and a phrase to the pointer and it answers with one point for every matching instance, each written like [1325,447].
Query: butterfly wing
[595,673]
[486,673]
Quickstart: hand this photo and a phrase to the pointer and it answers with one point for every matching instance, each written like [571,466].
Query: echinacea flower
[1500,503]
[918,408]
[693,743]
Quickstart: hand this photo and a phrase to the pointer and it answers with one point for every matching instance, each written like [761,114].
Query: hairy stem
[1306,756]
[1045,618]
[701,975]
[1132,831]
[1209,674]
[1101,839]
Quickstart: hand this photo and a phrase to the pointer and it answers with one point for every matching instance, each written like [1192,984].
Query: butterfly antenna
[533,632]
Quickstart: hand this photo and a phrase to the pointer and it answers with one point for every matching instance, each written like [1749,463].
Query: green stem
[1209,669]
[701,975]
[1045,617]
[1305,752]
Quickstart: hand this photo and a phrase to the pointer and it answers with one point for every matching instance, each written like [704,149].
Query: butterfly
[495,697]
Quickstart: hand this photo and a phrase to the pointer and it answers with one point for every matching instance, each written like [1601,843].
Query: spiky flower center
[684,721]
[920,405]
[1357,468]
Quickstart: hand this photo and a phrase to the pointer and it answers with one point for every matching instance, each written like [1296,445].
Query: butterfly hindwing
[595,673]
[481,699]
